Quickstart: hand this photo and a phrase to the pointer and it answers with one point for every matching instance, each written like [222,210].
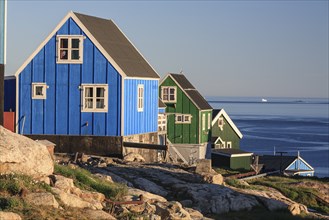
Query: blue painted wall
[61,112]
[140,122]
[10,94]
[298,164]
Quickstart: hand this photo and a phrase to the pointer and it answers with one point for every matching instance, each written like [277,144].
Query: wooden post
[2,75]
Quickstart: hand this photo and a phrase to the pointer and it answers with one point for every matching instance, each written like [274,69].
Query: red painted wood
[9,121]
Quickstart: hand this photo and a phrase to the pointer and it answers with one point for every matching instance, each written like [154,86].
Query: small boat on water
[264,100]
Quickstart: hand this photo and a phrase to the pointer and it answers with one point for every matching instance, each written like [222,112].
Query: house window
[228,144]
[168,93]
[183,119]
[69,49]
[94,97]
[39,90]
[209,121]
[140,98]
[221,123]
[203,122]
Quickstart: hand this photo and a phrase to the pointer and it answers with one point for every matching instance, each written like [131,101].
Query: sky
[225,48]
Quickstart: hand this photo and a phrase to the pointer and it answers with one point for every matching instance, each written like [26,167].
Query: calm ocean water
[286,124]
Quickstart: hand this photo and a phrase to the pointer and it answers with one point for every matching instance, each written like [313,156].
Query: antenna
[181,71]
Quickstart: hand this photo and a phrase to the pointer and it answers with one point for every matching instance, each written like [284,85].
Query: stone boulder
[42,199]
[97,214]
[19,154]
[133,157]
[9,215]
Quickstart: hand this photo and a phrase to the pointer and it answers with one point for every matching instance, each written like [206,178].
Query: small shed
[289,165]
[231,158]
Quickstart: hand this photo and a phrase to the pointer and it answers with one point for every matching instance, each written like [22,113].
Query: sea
[270,125]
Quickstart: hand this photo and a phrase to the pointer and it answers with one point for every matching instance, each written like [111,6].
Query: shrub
[84,179]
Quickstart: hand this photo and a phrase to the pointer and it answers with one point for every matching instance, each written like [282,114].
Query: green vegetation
[226,171]
[85,180]
[259,213]
[301,194]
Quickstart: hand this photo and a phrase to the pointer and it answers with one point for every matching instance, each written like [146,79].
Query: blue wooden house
[289,165]
[87,79]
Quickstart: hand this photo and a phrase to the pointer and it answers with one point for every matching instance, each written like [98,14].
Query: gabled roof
[161,104]
[272,162]
[190,91]
[112,43]
[221,112]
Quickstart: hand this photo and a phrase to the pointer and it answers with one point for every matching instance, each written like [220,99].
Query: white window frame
[203,122]
[44,90]
[228,144]
[94,97]
[183,119]
[140,97]
[168,88]
[209,121]
[221,123]
[69,49]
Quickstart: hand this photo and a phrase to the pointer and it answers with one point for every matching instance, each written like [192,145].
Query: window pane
[39,90]
[165,91]
[172,91]
[186,118]
[165,97]
[75,43]
[172,97]
[100,92]
[75,55]
[89,92]
[100,103]
[64,43]
[89,103]
[63,54]
[179,118]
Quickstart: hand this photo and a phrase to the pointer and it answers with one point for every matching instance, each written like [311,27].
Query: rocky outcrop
[9,216]
[19,154]
[44,199]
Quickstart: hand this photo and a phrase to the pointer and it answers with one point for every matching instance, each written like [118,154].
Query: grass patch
[258,213]
[85,180]
[286,186]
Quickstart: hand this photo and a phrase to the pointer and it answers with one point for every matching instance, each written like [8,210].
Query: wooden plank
[145,146]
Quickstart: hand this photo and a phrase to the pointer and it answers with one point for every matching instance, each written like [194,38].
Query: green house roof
[190,91]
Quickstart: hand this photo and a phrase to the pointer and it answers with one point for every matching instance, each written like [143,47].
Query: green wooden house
[189,115]
[189,119]
[225,139]
[224,133]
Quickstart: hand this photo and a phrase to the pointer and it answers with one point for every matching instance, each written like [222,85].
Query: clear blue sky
[226,48]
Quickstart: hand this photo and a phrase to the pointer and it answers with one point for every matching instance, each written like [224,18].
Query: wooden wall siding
[10,95]
[298,164]
[61,112]
[227,134]
[140,122]
[181,133]
[206,134]
[240,162]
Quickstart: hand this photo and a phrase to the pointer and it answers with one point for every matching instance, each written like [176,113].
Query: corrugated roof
[116,44]
[191,91]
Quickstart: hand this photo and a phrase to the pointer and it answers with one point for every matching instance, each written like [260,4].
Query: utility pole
[281,153]
[3,32]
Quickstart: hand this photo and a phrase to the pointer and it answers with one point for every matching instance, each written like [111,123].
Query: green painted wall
[240,162]
[205,134]
[227,134]
[183,133]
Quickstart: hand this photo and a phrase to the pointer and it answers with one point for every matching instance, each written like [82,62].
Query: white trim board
[233,155]
[228,119]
